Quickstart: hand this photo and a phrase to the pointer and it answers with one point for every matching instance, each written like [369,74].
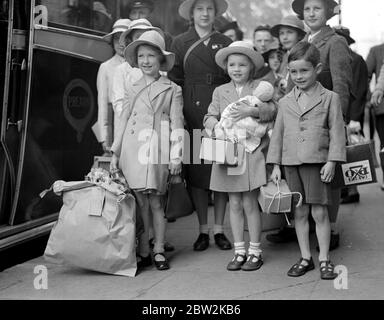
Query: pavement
[203,275]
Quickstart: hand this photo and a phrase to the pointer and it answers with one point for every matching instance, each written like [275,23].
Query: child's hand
[175,169]
[113,167]
[276,174]
[218,132]
[240,111]
[327,172]
[377,97]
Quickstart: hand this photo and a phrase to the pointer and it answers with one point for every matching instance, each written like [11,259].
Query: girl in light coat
[142,149]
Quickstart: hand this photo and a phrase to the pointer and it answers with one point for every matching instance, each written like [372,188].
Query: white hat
[186,7]
[120,25]
[240,47]
[152,38]
[139,24]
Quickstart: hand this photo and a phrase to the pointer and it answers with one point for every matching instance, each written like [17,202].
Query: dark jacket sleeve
[177,73]
[360,87]
[340,64]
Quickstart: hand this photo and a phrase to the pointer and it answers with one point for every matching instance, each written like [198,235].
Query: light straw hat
[186,7]
[291,21]
[239,47]
[120,25]
[152,38]
[139,24]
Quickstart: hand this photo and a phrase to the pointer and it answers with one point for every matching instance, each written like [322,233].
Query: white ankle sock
[240,248]
[217,228]
[254,248]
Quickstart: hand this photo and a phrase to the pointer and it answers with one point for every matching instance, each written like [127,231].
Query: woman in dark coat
[199,76]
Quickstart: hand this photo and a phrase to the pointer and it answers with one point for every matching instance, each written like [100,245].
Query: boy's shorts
[306,180]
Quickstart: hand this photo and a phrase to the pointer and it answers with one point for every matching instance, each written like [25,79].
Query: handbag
[359,168]
[222,152]
[178,203]
[277,198]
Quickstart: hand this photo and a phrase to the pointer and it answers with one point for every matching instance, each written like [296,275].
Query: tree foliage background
[251,13]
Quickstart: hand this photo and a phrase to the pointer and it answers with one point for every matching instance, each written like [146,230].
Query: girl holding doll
[241,62]
[152,106]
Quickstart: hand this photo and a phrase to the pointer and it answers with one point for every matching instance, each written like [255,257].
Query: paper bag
[95,231]
[359,168]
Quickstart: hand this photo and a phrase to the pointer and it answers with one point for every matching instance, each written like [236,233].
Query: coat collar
[316,99]
[155,89]
[230,93]
[320,39]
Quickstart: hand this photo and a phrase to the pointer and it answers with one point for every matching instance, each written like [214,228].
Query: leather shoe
[253,263]
[144,261]
[285,235]
[222,242]
[161,265]
[202,242]
[299,269]
[351,198]
[236,263]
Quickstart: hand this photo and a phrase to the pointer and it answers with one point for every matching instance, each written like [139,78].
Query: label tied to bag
[357,172]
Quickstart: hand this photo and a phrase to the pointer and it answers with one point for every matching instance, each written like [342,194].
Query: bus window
[85,14]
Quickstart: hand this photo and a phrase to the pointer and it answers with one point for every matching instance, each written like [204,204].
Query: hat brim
[108,37]
[186,6]
[298,8]
[254,56]
[131,49]
[276,29]
[126,33]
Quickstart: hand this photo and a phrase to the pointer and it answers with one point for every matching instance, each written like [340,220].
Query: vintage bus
[50,52]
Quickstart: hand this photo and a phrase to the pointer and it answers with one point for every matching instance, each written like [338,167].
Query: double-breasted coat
[198,80]
[144,130]
[315,135]
[336,59]
[254,174]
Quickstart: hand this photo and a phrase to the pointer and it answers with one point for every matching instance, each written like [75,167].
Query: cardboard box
[275,200]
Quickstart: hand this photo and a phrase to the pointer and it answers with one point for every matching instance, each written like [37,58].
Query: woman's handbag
[178,202]
[222,152]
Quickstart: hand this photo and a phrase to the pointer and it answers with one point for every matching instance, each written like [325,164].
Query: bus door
[57,141]
[12,78]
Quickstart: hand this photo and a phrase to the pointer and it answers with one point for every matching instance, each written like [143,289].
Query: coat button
[198,103]
[134,113]
[133,122]
[132,131]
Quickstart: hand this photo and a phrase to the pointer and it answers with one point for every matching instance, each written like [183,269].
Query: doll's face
[315,14]
[288,37]
[203,13]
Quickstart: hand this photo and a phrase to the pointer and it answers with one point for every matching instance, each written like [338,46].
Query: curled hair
[305,51]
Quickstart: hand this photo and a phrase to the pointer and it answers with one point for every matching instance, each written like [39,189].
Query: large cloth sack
[95,230]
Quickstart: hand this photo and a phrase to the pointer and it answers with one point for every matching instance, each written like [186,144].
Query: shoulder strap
[192,47]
